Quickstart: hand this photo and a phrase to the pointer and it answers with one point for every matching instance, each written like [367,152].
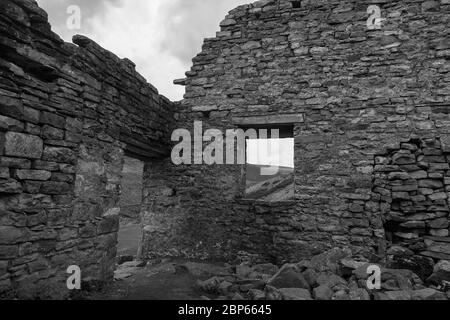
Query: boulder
[243,271]
[322,293]
[273,294]
[359,294]
[341,295]
[428,294]
[224,287]
[295,294]
[441,273]
[210,285]
[288,277]
[257,295]
[247,285]
[310,276]
[398,280]
[420,265]
[267,268]
[237,297]
[394,295]
[330,280]
[329,261]
[352,264]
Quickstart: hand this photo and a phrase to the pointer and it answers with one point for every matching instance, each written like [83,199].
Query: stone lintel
[269,119]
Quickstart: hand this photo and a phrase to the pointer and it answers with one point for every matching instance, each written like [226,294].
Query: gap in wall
[130,229]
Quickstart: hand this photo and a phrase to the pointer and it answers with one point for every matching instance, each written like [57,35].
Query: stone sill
[266,203]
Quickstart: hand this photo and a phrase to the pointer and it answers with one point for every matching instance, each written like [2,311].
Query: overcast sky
[160,36]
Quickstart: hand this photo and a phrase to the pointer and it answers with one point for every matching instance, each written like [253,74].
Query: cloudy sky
[160,36]
[274,152]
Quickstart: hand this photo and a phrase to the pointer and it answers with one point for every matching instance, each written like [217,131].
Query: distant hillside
[278,187]
[253,173]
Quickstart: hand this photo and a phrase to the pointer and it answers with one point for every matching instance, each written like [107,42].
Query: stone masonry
[371,116]
[370,112]
[68,114]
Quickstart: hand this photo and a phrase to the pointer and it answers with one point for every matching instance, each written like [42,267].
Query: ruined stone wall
[353,95]
[68,113]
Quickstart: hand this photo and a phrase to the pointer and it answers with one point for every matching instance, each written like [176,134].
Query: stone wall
[359,101]
[68,114]
[353,95]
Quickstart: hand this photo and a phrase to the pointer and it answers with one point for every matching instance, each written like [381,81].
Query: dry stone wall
[68,114]
[353,95]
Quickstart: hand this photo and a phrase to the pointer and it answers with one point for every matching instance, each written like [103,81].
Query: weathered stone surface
[268,269]
[322,292]
[10,235]
[329,261]
[23,145]
[257,294]
[210,285]
[10,186]
[441,272]
[39,175]
[330,280]
[420,265]
[56,154]
[55,188]
[295,294]
[359,294]
[428,294]
[4,173]
[394,295]
[287,277]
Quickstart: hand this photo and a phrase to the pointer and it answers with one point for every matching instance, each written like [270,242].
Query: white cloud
[274,152]
[160,36]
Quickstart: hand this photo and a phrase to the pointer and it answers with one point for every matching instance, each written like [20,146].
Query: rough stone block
[445,142]
[32,187]
[52,119]
[55,188]
[23,145]
[45,165]
[31,115]
[49,132]
[431,184]
[438,196]
[38,175]
[10,235]
[10,124]
[10,186]
[15,163]
[109,224]
[4,173]
[64,155]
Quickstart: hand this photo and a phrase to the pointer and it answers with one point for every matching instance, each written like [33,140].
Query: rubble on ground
[333,275]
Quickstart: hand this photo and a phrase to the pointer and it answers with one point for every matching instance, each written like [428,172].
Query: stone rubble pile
[333,275]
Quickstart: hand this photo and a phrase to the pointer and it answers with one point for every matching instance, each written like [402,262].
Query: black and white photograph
[230,156]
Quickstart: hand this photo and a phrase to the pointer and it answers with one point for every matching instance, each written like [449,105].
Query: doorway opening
[130,229]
